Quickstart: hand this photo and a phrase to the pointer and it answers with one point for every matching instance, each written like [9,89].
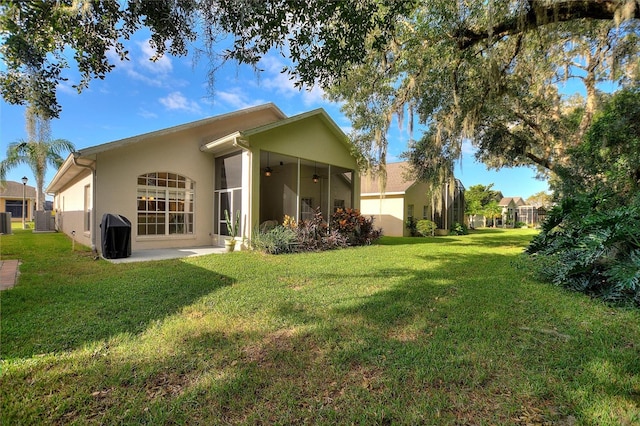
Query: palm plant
[493,211]
[37,151]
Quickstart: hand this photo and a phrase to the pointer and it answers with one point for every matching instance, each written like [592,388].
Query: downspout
[94,222]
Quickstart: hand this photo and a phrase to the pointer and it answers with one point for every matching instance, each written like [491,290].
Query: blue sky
[140,96]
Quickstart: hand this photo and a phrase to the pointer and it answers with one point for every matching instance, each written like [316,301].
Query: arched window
[165,204]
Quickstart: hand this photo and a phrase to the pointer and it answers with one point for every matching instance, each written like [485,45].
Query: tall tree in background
[486,71]
[37,151]
[540,199]
[477,197]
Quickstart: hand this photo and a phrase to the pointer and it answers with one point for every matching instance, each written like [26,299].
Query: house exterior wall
[308,139]
[116,185]
[69,208]
[392,211]
[388,213]
[416,196]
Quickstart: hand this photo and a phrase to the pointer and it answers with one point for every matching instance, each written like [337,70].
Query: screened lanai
[296,187]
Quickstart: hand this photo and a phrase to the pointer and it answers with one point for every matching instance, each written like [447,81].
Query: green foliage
[43,38]
[478,196]
[347,228]
[232,227]
[492,211]
[314,235]
[479,71]
[590,241]
[610,154]
[412,225]
[406,332]
[426,228]
[276,240]
[458,229]
[589,244]
[37,151]
[354,227]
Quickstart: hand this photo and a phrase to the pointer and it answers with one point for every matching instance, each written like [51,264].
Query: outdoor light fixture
[267,170]
[315,177]
[24,197]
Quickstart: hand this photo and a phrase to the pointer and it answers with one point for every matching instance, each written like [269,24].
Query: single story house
[12,196]
[405,198]
[174,185]
[516,209]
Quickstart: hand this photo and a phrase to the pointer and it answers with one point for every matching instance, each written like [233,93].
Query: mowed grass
[446,330]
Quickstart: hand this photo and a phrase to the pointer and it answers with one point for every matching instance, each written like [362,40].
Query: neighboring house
[403,198]
[175,184]
[516,209]
[11,200]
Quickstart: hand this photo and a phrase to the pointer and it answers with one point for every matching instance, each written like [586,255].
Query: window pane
[157,205]
[229,171]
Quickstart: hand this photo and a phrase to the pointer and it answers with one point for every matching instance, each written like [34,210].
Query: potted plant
[232,229]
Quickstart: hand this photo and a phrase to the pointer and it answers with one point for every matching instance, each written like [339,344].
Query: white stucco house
[175,184]
[404,197]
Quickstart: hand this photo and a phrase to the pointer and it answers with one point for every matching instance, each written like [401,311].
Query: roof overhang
[226,143]
[72,167]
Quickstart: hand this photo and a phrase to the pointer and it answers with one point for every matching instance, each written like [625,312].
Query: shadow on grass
[461,340]
[481,238]
[95,300]
[479,327]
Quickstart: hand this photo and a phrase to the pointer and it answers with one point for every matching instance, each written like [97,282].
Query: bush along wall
[347,227]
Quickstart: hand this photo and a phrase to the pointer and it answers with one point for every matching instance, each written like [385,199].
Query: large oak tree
[487,71]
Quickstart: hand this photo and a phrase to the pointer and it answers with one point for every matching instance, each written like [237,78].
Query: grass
[445,330]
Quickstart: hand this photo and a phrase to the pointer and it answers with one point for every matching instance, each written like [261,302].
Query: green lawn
[445,330]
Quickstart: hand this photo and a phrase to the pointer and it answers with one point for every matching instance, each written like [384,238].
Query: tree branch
[540,161]
[542,13]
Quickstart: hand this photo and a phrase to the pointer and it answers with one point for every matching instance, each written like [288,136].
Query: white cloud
[235,98]
[141,68]
[282,84]
[177,101]
[468,148]
[66,87]
[147,114]
[161,66]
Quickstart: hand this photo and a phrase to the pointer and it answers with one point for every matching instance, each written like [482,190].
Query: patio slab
[8,273]
[164,254]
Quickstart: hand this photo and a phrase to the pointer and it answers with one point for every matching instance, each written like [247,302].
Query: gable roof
[77,162]
[204,122]
[242,134]
[398,180]
[518,201]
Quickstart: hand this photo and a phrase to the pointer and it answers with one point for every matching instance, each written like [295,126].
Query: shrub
[458,229]
[588,245]
[275,240]
[314,234]
[355,228]
[412,226]
[426,228]
[348,227]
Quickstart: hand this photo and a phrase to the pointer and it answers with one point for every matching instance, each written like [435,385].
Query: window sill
[165,237]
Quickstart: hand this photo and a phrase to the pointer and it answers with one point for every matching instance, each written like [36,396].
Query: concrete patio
[164,254]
